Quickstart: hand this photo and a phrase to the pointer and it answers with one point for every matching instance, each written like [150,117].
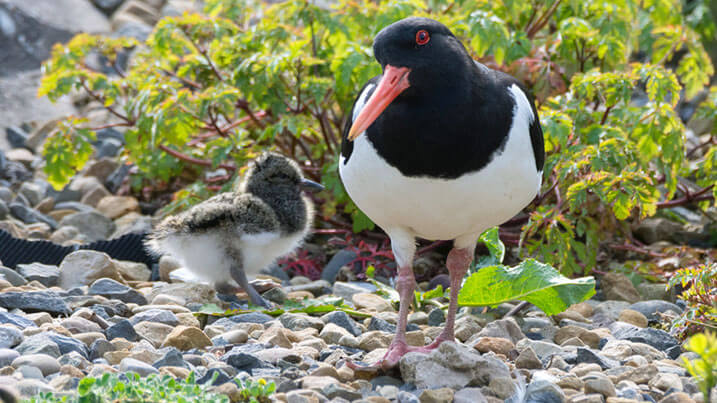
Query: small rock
[34,301]
[7,356]
[172,358]
[657,338]
[165,317]
[342,319]
[633,317]
[84,267]
[93,225]
[503,328]
[528,359]
[298,322]
[47,364]
[117,206]
[610,309]
[665,381]
[450,365]
[133,271]
[139,367]
[495,344]
[9,336]
[596,382]
[12,276]
[123,329]
[186,338]
[371,302]
[48,275]
[651,230]
[442,395]
[543,391]
[155,333]
[651,308]
[80,325]
[112,289]
[340,259]
[677,397]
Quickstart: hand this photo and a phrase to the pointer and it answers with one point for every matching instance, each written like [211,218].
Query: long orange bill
[393,82]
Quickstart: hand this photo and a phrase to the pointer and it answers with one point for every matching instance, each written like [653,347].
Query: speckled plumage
[237,233]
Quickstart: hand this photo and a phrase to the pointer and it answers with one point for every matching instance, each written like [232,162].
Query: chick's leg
[240,277]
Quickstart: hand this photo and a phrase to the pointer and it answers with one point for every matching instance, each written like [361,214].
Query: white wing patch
[361,101]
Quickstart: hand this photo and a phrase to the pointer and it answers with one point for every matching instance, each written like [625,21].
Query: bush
[703,368]
[700,294]
[206,92]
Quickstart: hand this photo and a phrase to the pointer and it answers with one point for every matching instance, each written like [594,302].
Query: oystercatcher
[233,234]
[439,147]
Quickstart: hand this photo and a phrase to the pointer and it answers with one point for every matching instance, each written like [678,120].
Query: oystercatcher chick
[235,234]
[439,147]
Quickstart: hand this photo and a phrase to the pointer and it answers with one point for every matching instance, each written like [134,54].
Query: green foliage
[531,281]
[212,90]
[704,368]
[255,391]
[700,294]
[130,387]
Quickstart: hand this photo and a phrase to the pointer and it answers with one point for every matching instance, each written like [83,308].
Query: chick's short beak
[311,186]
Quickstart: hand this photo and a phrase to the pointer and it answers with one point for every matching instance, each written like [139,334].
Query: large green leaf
[531,281]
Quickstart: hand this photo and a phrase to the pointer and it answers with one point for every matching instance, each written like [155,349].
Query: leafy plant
[700,294]
[208,91]
[493,283]
[257,391]
[704,368]
[130,387]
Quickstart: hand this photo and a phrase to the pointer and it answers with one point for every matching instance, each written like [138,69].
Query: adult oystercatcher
[233,234]
[439,147]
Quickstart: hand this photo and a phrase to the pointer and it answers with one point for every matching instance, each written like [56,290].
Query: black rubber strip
[14,251]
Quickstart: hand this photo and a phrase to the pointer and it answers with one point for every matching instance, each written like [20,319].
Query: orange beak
[393,82]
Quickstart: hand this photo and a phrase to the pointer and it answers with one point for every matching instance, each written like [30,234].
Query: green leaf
[531,281]
[491,239]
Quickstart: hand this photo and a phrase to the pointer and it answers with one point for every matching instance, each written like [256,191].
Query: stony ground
[91,314]
[94,315]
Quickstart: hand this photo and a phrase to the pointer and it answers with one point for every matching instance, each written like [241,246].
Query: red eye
[422,37]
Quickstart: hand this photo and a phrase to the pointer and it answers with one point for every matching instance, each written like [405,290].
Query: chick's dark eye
[422,37]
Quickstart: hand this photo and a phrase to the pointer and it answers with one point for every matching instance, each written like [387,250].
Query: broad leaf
[530,281]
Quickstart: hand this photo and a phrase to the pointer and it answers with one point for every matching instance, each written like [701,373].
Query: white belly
[205,256]
[433,208]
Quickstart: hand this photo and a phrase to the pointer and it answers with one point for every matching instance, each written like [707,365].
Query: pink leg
[458,262]
[406,284]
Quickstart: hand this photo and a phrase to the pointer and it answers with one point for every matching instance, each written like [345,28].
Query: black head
[272,171]
[420,58]
[425,46]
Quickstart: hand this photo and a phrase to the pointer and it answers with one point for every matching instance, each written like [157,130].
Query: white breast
[435,208]
[260,250]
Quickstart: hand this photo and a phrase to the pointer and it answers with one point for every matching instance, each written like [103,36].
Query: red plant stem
[604,115]
[688,198]
[207,134]
[637,249]
[709,141]
[244,105]
[540,23]
[184,80]
[192,160]
[109,108]
[109,125]
[431,246]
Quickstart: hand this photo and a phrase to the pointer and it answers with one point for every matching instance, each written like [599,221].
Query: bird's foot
[395,352]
